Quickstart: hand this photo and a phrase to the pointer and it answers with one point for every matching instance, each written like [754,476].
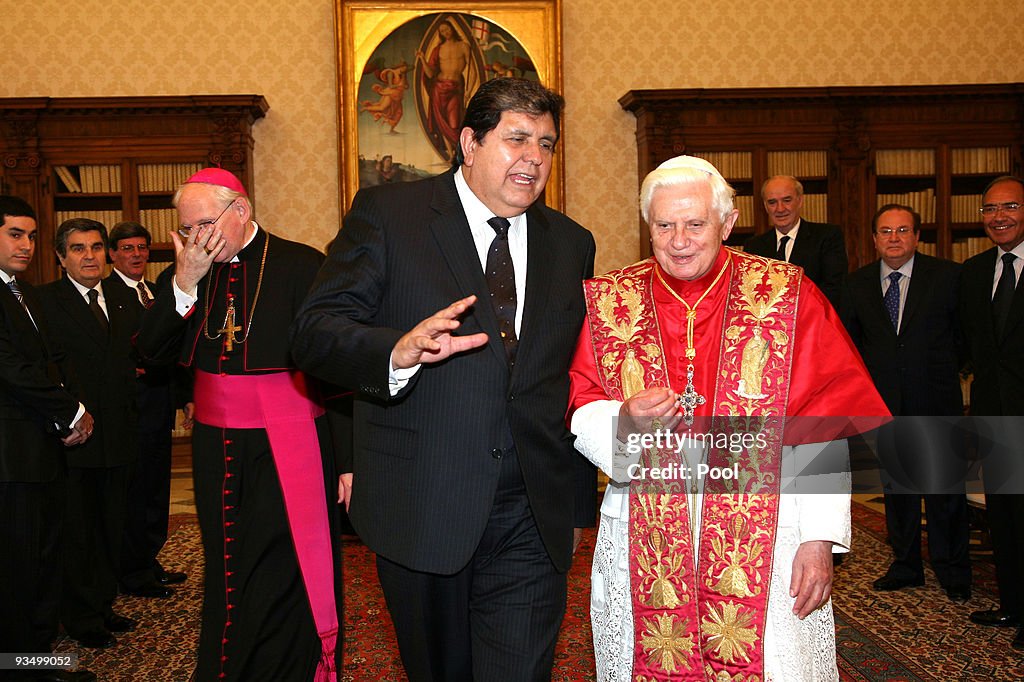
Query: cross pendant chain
[689,399]
[230,327]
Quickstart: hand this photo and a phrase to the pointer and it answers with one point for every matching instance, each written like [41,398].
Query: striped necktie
[16,290]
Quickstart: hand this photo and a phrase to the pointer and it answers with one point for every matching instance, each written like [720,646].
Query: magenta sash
[281,404]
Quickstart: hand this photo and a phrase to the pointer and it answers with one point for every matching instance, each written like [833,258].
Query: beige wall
[283,49]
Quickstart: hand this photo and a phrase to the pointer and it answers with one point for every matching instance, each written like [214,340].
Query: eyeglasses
[131,248]
[186,230]
[1008,207]
[888,231]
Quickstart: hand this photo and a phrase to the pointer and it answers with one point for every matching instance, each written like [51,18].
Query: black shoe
[996,618]
[95,639]
[170,577]
[888,583]
[1018,641]
[151,590]
[960,594]
[118,623]
[80,675]
[837,559]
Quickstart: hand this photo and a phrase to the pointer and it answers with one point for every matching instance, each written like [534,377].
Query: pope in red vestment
[703,579]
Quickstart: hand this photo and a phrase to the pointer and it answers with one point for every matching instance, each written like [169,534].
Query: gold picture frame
[508,29]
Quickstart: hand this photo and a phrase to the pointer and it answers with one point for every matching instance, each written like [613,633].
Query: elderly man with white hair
[695,375]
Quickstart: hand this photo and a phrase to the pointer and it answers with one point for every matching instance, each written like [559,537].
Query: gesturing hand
[432,339]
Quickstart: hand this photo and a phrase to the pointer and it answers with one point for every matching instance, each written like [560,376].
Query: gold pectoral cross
[230,327]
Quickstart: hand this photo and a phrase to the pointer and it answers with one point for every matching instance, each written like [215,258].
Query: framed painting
[406,71]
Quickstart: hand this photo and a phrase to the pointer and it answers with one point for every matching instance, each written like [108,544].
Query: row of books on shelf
[108,218]
[160,222]
[963,161]
[732,165]
[90,179]
[153,177]
[905,162]
[165,177]
[922,201]
[964,208]
[153,270]
[814,163]
[800,164]
[980,160]
[961,249]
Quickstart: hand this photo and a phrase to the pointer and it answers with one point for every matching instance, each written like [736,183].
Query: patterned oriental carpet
[908,635]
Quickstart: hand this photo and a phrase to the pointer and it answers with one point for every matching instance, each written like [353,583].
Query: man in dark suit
[94,325]
[149,489]
[452,305]
[992,314]
[36,413]
[816,247]
[901,313]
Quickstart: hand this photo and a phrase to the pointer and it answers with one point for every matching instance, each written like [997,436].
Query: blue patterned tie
[891,300]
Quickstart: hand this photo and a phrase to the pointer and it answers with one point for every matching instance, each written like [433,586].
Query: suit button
[512,397]
[496,453]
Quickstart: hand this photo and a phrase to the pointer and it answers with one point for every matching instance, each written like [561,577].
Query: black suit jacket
[155,393]
[104,370]
[424,474]
[998,363]
[819,249]
[34,407]
[917,371]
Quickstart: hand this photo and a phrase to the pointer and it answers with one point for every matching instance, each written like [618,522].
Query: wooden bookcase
[118,158]
[853,148]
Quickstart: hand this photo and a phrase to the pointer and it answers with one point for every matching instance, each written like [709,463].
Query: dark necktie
[16,290]
[97,311]
[781,253]
[1003,299]
[891,300]
[501,280]
[144,296]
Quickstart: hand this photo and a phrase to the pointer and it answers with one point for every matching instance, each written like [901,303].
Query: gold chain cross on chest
[230,328]
[689,400]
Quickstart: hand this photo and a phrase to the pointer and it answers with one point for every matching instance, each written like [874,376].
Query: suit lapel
[803,245]
[451,231]
[20,319]
[1016,308]
[871,290]
[920,283]
[538,279]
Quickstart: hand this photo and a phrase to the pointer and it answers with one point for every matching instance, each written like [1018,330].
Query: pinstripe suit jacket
[424,474]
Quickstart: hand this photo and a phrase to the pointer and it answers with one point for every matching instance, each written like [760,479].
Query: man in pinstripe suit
[465,481]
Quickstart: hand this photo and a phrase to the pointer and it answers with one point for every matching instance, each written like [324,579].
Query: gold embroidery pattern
[729,632]
[661,556]
[765,296]
[624,331]
[666,643]
[740,548]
